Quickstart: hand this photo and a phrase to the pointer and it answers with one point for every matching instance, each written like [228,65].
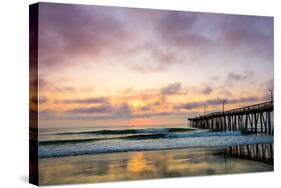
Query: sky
[111,66]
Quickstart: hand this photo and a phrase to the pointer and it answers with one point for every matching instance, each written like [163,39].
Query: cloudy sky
[110,66]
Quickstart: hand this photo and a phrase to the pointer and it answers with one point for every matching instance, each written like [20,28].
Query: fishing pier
[257,118]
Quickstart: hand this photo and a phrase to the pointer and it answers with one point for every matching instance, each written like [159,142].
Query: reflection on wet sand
[145,165]
[257,152]
[137,163]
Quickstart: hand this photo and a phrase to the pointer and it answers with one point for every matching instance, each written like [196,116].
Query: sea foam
[210,139]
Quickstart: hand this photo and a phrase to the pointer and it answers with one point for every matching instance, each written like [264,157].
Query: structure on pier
[254,118]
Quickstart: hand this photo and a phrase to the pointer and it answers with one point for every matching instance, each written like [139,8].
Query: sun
[139,122]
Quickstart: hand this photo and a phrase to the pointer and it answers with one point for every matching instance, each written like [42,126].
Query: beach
[139,165]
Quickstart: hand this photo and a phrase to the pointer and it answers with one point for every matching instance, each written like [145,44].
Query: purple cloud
[207,90]
[171,89]
[108,110]
[71,31]
[215,102]
[145,108]
[236,77]
[123,110]
[68,32]
[92,110]
[85,101]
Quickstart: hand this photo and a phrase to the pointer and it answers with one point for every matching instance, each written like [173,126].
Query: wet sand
[143,165]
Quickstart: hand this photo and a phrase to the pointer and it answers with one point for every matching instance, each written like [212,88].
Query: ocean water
[82,141]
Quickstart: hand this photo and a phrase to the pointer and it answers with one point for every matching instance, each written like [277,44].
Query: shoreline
[159,144]
[151,150]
